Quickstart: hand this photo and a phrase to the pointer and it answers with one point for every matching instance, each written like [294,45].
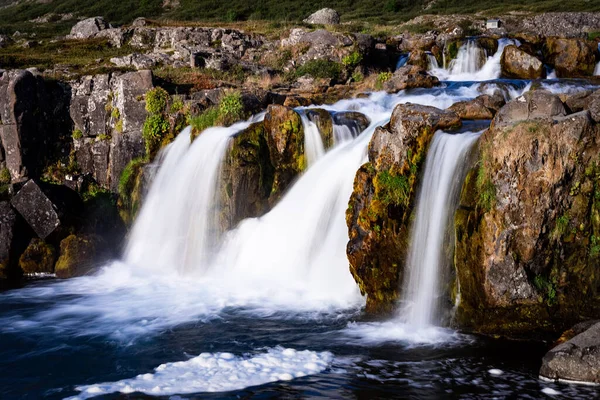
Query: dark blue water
[46,361]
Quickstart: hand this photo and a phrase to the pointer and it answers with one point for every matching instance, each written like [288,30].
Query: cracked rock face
[577,359]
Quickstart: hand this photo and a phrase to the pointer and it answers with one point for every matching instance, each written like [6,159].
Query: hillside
[18,15]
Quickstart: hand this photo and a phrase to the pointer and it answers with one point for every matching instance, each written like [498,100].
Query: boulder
[576,360]
[418,58]
[285,139]
[10,238]
[571,58]
[526,248]
[378,214]
[410,77]
[78,255]
[325,16]
[38,257]
[472,109]
[46,207]
[518,64]
[357,122]
[87,28]
[323,119]
[585,100]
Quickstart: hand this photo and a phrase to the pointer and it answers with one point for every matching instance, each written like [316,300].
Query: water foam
[217,372]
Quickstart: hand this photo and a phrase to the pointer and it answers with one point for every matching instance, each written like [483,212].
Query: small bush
[77,134]
[320,69]
[231,108]
[177,105]
[358,76]
[352,59]
[156,100]
[5,176]
[155,128]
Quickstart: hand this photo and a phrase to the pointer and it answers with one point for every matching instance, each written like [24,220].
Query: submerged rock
[577,359]
[410,77]
[527,248]
[518,64]
[383,198]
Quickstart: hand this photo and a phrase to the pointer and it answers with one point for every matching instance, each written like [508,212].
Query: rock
[493,102]
[325,16]
[411,42]
[562,24]
[78,255]
[88,28]
[12,241]
[571,58]
[410,77]
[378,214]
[537,104]
[577,360]
[526,251]
[472,109]
[5,41]
[517,64]
[323,119]
[140,21]
[47,209]
[116,36]
[246,178]
[585,100]
[418,58]
[39,257]
[357,122]
[285,138]
[90,106]
[322,37]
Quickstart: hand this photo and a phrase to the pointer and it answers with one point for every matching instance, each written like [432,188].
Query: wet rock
[11,238]
[39,257]
[78,255]
[526,252]
[285,138]
[383,199]
[577,360]
[88,28]
[472,109]
[418,58]
[354,120]
[325,16]
[322,118]
[410,77]
[518,64]
[48,208]
[585,100]
[571,57]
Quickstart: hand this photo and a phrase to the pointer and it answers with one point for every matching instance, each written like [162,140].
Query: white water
[597,70]
[313,142]
[216,372]
[433,64]
[436,202]
[471,63]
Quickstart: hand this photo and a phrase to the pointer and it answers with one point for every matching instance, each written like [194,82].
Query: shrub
[204,120]
[5,176]
[155,127]
[358,76]
[177,105]
[352,59]
[231,108]
[156,100]
[320,69]
[77,134]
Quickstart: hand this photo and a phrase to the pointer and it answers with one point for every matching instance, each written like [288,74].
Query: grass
[320,69]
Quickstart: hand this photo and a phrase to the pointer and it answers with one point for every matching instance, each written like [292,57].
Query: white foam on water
[495,372]
[313,142]
[375,333]
[217,372]
[550,391]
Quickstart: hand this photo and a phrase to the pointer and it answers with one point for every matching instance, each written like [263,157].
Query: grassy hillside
[14,15]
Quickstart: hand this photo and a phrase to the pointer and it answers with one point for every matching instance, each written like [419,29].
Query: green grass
[320,69]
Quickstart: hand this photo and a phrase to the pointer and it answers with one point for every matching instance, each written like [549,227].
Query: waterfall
[471,63]
[445,169]
[402,60]
[597,70]
[432,62]
[313,142]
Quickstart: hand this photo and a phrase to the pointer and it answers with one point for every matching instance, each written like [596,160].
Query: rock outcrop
[518,64]
[325,16]
[576,360]
[383,198]
[527,245]
[88,28]
[78,255]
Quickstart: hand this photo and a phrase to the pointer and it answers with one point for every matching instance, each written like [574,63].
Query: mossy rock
[39,257]
[78,255]
[322,118]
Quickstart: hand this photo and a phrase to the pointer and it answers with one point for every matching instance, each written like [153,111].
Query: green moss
[130,189]
[391,188]
[205,120]
[115,113]
[486,190]
[119,126]
[156,100]
[177,105]
[155,128]
[103,136]
[562,223]
[5,177]
[358,76]
[320,69]
[352,60]
[382,77]
[547,288]
[77,134]
[231,108]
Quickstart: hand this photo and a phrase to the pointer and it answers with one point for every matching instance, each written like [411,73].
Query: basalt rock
[410,77]
[383,198]
[571,57]
[518,64]
[527,245]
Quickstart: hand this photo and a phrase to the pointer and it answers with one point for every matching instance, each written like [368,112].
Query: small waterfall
[432,62]
[597,70]
[445,169]
[344,133]
[313,142]
[469,60]
[402,60]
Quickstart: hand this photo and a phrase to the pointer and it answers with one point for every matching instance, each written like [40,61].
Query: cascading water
[402,60]
[313,142]
[436,202]
[432,62]
[471,63]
